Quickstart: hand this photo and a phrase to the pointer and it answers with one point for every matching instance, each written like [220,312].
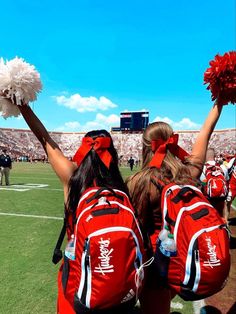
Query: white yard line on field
[49,189]
[38,177]
[27,187]
[197,305]
[30,216]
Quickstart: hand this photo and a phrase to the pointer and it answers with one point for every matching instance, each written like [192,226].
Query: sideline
[31,216]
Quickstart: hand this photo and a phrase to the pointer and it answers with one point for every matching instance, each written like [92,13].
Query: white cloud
[111,119]
[127,110]
[187,123]
[100,122]
[165,119]
[183,124]
[83,104]
[72,125]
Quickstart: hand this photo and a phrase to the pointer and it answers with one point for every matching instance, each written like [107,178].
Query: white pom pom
[20,82]
[7,109]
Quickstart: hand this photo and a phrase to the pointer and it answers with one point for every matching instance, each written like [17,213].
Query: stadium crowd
[23,145]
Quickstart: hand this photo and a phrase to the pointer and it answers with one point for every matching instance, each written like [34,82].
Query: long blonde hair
[172,170]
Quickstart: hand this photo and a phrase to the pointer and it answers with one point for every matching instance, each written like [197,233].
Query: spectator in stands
[5,167]
[131,163]
[23,143]
[160,161]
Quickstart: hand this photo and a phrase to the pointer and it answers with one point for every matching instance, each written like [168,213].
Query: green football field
[31,211]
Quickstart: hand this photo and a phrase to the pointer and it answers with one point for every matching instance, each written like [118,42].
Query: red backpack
[201,263]
[103,262]
[216,184]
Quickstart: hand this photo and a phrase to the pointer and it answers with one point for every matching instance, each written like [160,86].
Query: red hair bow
[100,145]
[160,148]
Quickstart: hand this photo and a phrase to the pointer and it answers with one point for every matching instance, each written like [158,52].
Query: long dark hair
[92,171]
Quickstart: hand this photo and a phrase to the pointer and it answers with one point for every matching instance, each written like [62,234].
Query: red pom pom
[221,77]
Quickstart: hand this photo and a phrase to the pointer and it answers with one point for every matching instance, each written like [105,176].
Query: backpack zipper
[188,274]
[167,192]
[182,210]
[111,203]
[85,265]
[86,275]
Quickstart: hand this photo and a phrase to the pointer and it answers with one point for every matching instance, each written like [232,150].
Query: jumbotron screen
[134,120]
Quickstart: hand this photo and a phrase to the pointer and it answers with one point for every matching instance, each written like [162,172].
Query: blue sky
[97,58]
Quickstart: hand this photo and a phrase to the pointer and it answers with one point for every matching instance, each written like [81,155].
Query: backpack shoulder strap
[68,222]
[57,253]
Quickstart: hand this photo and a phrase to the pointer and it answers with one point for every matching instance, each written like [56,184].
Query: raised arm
[63,167]
[200,146]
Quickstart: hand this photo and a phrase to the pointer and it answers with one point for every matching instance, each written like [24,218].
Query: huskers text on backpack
[102,266]
[216,184]
[202,262]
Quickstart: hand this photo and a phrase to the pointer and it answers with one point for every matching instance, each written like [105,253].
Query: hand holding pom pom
[19,84]
[221,77]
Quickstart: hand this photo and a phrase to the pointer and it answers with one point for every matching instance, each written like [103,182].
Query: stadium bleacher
[21,142]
